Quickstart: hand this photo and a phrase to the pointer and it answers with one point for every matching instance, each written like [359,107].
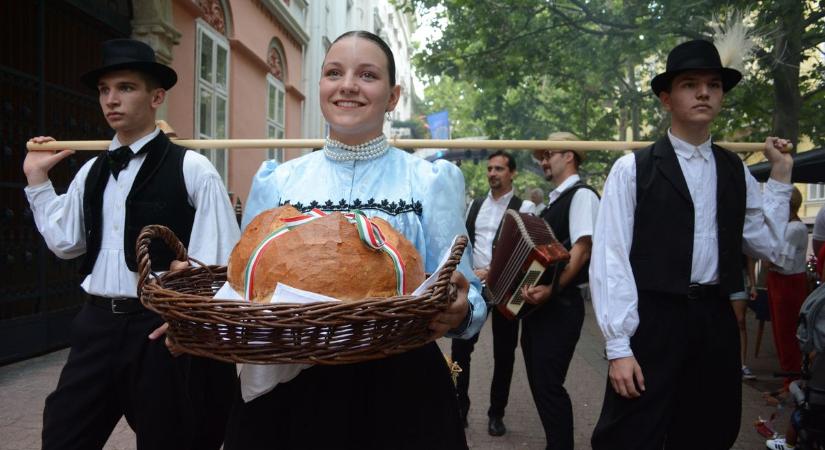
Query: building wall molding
[280,15]
[152,23]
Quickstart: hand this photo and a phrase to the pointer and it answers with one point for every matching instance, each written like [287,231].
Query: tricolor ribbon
[369,233]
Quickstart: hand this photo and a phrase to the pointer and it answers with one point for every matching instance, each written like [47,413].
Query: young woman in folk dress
[406,400]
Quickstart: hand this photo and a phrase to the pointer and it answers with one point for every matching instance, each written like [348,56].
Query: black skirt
[406,401]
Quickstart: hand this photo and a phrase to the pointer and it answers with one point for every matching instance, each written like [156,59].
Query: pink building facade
[240,70]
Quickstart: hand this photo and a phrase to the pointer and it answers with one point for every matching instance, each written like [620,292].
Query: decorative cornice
[290,88]
[240,47]
[282,15]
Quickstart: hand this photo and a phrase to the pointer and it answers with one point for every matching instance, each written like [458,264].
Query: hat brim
[164,75]
[538,154]
[730,78]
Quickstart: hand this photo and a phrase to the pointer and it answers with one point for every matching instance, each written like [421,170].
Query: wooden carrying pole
[237,144]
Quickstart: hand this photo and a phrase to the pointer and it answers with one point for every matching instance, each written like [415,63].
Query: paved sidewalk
[25,385]
[586,383]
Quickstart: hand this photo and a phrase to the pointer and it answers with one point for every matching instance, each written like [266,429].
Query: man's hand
[161,331]
[536,295]
[625,374]
[37,164]
[178,265]
[482,275]
[752,295]
[781,163]
[455,314]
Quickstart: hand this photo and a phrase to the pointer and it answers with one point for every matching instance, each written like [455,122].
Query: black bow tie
[120,157]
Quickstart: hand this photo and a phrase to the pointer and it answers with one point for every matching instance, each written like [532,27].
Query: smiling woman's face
[355,90]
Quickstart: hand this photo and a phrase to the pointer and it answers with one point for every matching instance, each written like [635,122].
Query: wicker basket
[314,333]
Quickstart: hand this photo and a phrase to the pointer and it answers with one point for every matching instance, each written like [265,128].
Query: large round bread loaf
[325,256]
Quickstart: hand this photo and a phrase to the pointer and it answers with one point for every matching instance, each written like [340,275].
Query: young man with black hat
[550,333]
[117,366]
[672,224]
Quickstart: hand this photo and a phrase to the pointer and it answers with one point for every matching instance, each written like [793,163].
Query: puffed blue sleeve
[442,219]
[263,194]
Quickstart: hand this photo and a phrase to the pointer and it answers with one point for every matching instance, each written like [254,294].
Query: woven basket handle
[148,233]
[443,280]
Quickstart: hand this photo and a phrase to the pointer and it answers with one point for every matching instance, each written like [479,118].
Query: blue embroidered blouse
[422,200]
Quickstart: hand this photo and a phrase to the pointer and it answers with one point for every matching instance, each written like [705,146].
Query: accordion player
[527,253]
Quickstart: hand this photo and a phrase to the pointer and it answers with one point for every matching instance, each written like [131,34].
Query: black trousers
[405,401]
[688,350]
[114,370]
[505,340]
[548,341]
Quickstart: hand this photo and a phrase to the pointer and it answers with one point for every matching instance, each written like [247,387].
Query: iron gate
[44,47]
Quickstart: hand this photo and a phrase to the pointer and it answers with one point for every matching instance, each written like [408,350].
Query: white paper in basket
[257,379]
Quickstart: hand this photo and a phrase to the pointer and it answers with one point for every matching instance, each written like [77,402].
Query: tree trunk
[635,107]
[622,124]
[787,55]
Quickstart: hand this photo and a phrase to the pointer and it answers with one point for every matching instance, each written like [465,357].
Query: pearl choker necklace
[339,151]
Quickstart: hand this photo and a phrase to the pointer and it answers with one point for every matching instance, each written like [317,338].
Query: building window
[212,92]
[816,192]
[275,113]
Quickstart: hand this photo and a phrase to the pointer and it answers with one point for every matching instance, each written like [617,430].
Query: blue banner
[439,124]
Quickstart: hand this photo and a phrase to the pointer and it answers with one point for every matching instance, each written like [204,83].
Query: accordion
[526,253]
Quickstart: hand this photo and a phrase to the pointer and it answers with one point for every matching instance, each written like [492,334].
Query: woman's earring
[388,116]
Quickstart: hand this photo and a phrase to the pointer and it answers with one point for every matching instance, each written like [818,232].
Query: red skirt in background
[786,293]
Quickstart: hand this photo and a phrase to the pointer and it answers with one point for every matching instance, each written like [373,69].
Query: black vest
[662,251]
[557,215]
[472,215]
[158,196]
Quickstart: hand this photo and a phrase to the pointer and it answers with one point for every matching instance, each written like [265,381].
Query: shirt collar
[503,199]
[687,150]
[565,185]
[138,144]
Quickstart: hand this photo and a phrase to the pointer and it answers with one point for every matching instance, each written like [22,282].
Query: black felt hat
[694,55]
[123,54]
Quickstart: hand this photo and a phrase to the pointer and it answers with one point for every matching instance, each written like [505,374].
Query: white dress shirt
[584,208]
[791,259]
[59,218]
[487,222]
[612,284]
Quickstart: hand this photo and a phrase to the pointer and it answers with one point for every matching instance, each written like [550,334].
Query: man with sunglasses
[550,333]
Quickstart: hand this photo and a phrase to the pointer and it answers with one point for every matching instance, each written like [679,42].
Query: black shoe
[496,427]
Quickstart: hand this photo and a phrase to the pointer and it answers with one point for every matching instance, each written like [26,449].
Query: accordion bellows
[325,255]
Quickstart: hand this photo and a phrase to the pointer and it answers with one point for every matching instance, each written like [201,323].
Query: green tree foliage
[584,66]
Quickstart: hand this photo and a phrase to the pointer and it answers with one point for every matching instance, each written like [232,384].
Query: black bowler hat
[694,55]
[123,54]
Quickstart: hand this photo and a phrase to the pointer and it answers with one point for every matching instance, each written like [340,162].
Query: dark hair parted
[377,41]
[511,163]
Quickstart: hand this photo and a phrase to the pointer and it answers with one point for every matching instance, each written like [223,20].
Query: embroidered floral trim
[392,208]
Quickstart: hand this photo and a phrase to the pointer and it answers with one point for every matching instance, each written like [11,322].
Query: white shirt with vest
[59,218]
[613,287]
[584,208]
[487,222]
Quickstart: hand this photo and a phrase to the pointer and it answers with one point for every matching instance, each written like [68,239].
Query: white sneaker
[747,374]
[778,444]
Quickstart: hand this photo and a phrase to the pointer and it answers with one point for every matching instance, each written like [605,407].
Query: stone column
[152,23]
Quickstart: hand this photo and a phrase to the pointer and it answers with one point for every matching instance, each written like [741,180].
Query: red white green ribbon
[369,233]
